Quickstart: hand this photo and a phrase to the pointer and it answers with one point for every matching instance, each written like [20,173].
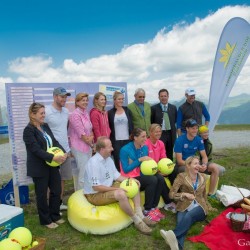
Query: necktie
[166,118]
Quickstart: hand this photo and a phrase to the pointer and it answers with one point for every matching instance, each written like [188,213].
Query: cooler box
[10,218]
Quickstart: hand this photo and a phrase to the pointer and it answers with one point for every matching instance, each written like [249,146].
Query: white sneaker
[170,207]
[170,239]
[63,207]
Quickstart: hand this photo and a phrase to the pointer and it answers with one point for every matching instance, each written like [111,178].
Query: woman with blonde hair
[99,116]
[157,151]
[81,136]
[38,138]
[189,190]
[121,125]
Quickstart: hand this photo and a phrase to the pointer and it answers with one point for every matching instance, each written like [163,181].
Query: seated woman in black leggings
[131,157]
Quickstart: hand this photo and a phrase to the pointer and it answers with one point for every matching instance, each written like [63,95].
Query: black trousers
[152,185]
[166,137]
[48,211]
[117,145]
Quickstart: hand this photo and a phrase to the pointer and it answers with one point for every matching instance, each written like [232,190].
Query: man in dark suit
[165,114]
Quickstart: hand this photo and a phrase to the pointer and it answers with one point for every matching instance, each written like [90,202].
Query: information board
[19,97]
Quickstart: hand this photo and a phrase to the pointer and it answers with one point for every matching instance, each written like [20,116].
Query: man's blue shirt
[188,148]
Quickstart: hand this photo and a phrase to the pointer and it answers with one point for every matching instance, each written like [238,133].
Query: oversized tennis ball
[149,167]
[130,186]
[10,244]
[166,166]
[21,235]
[54,151]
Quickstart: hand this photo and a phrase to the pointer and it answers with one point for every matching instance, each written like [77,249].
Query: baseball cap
[61,91]
[203,129]
[191,123]
[190,91]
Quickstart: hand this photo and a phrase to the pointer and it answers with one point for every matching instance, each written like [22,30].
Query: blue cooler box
[10,218]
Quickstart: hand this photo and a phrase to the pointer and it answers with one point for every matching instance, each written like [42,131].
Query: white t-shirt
[58,122]
[99,171]
[121,127]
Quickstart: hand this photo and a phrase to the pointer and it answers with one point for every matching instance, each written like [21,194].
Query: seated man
[204,134]
[189,144]
[99,188]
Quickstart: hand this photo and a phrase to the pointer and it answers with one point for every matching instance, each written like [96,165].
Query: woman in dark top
[38,138]
[120,123]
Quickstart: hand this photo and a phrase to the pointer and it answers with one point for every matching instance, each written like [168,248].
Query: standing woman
[131,157]
[81,136]
[38,138]
[99,116]
[189,190]
[120,123]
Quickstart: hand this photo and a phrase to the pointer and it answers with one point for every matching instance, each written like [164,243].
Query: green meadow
[237,164]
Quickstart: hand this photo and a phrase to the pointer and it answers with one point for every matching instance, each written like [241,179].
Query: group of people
[132,134]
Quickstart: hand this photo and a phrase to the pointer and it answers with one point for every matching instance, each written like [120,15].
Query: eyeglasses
[141,97]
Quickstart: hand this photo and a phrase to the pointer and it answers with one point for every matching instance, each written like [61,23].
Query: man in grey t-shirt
[56,115]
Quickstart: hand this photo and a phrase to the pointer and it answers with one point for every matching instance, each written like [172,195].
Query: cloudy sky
[148,44]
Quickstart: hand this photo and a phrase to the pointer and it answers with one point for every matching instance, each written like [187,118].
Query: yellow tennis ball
[149,167]
[54,151]
[10,244]
[130,186]
[21,235]
[166,166]
[34,243]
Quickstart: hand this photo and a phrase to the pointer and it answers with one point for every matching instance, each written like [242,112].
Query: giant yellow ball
[21,235]
[130,186]
[10,244]
[54,151]
[166,166]
[149,167]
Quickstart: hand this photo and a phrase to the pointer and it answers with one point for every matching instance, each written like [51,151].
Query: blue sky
[80,30]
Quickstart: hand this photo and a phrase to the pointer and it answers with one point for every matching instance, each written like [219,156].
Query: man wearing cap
[189,144]
[191,109]
[57,117]
[165,114]
[141,111]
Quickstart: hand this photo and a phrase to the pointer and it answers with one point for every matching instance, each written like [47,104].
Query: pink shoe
[152,216]
[158,213]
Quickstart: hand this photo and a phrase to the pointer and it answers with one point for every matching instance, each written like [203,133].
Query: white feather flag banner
[231,55]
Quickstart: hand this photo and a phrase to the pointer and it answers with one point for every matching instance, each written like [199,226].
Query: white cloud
[173,59]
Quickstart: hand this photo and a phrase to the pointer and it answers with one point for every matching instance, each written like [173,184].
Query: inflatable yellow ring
[101,220]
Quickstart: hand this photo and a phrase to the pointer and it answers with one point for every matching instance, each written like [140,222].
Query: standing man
[189,144]
[191,109]
[165,114]
[57,118]
[141,111]
[100,189]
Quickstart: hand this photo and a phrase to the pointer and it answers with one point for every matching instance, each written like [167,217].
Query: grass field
[237,163]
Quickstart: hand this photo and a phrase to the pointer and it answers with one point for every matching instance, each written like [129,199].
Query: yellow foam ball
[10,244]
[166,166]
[149,167]
[130,186]
[21,235]
[54,151]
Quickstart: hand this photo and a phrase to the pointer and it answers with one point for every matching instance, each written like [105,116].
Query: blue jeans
[185,220]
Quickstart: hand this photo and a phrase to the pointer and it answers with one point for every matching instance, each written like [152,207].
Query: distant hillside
[237,115]
[236,110]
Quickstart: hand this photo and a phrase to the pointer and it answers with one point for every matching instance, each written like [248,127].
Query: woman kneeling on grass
[189,190]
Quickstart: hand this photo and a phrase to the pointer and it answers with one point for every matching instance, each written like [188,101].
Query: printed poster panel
[19,97]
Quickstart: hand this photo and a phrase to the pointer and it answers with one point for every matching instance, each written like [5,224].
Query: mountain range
[235,111]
